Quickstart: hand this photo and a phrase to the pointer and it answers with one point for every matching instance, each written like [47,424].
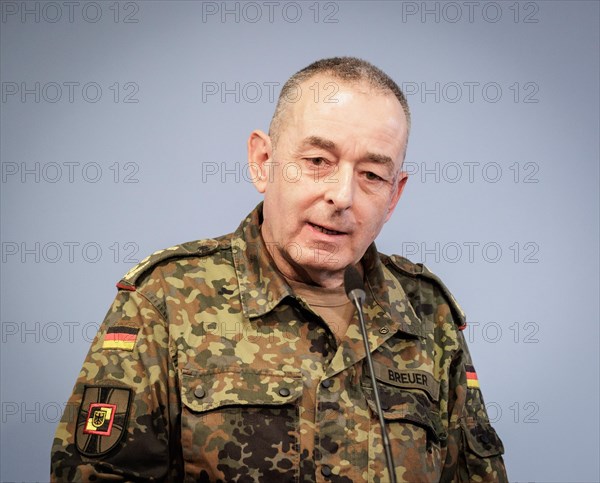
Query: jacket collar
[262,287]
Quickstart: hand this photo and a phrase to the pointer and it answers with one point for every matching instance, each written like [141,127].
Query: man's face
[333,179]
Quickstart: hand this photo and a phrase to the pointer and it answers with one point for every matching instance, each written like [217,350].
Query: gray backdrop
[124,128]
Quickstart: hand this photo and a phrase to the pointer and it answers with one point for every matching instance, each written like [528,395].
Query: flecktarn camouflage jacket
[207,367]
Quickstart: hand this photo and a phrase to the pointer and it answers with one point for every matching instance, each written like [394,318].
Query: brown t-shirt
[331,304]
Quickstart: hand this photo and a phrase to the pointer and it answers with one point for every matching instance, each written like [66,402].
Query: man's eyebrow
[379,158]
[319,142]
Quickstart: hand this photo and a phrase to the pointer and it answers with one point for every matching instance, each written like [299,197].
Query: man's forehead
[327,88]
[357,107]
[323,94]
[331,80]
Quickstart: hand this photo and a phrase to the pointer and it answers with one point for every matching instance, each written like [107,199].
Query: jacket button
[327,383]
[485,439]
[199,392]
[284,392]
[384,330]
[326,470]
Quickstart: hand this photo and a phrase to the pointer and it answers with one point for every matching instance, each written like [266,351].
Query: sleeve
[123,425]
[474,449]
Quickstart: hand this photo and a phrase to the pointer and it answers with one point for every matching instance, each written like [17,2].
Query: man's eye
[372,176]
[317,161]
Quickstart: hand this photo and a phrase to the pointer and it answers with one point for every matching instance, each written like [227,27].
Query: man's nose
[339,188]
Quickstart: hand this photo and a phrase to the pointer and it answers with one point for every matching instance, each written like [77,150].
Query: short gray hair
[349,69]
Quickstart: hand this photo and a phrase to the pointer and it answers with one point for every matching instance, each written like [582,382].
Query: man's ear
[259,153]
[398,189]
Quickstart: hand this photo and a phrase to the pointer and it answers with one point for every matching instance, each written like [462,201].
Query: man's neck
[320,278]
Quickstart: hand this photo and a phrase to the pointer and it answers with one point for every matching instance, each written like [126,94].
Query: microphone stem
[384,435]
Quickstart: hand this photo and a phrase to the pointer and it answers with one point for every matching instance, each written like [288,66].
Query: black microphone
[354,290]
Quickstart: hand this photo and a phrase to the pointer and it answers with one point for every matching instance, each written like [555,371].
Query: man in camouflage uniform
[239,359]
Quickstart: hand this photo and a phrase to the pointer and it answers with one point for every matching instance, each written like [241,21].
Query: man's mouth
[327,231]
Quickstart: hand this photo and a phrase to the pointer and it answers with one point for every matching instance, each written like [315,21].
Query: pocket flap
[211,389]
[483,440]
[408,405]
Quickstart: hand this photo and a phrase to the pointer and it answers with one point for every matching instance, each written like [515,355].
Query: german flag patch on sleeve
[472,380]
[120,337]
[102,419]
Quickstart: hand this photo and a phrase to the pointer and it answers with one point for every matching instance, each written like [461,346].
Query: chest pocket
[415,429]
[239,424]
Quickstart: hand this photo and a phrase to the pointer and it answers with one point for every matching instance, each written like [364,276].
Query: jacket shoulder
[196,248]
[419,271]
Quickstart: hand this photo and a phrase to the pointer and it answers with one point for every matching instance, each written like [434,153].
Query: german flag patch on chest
[120,337]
